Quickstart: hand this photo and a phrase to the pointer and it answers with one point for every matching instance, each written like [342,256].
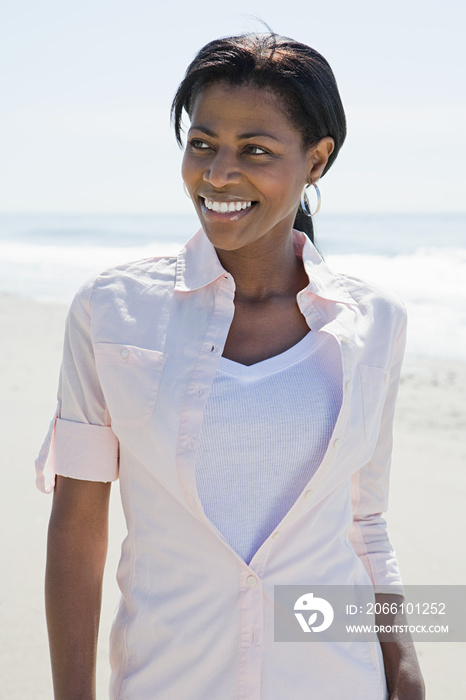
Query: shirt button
[337,444]
[251,580]
[187,443]
[277,534]
[124,353]
[348,386]
[308,494]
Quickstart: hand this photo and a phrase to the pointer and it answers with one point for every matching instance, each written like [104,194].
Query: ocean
[422,258]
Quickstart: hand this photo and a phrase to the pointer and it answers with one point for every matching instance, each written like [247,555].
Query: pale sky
[86,87]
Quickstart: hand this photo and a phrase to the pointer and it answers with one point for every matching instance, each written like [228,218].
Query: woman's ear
[318,157]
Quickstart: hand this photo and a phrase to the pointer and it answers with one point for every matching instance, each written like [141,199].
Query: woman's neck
[265,271]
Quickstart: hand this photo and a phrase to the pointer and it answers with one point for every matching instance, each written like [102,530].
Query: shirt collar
[323,282]
[198,265]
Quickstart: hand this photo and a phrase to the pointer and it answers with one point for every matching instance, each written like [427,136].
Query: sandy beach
[427,513]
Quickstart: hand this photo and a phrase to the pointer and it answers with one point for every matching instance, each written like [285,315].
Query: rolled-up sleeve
[370,486]
[80,442]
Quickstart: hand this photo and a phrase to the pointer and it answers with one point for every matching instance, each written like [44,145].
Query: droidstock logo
[313,605]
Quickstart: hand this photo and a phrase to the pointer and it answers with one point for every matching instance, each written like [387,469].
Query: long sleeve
[80,442]
[370,487]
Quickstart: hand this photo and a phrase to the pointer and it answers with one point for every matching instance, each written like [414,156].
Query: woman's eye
[199,144]
[256,150]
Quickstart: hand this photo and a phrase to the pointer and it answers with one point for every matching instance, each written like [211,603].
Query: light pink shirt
[195,622]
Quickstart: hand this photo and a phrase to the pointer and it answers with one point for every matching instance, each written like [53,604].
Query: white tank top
[265,430]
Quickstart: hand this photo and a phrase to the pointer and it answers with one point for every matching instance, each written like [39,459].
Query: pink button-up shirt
[195,622]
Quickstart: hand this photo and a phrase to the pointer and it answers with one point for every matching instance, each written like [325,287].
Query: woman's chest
[260,330]
[156,370]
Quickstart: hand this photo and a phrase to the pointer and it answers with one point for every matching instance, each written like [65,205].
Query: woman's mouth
[226,207]
[227,210]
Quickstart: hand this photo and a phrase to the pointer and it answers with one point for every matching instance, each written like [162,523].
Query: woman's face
[245,167]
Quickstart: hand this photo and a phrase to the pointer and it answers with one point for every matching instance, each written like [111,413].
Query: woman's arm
[76,553]
[404,677]
[370,541]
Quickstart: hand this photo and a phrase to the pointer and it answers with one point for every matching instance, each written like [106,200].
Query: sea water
[422,258]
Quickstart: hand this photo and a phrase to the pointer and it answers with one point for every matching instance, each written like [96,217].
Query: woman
[244,394]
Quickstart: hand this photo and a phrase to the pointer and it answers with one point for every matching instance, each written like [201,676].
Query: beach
[426,516]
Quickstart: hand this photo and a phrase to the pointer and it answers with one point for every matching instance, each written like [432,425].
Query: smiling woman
[243,393]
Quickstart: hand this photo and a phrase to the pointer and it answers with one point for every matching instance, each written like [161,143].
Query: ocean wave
[430,281]
[431,284]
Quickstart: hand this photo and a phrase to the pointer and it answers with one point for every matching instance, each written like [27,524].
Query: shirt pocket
[374,387]
[130,378]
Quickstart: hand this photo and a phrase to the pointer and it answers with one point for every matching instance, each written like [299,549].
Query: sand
[427,512]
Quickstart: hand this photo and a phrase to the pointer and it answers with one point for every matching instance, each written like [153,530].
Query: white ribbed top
[265,430]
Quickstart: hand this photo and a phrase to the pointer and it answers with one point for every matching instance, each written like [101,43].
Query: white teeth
[224,207]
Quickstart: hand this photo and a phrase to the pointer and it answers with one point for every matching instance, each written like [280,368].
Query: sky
[86,88]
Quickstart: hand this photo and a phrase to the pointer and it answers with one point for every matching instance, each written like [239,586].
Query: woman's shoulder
[379,308]
[340,285]
[366,292]
[122,286]
[145,271]
[132,276]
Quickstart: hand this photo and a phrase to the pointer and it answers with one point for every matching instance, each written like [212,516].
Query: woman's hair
[297,74]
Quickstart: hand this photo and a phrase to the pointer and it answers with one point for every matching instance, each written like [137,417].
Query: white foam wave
[430,281]
[53,273]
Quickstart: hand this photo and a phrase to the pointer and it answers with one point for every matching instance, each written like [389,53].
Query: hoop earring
[305,201]
[186,190]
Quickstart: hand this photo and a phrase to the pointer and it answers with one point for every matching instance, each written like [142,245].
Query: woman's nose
[222,170]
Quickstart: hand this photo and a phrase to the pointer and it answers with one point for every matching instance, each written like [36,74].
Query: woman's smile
[224,210]
[224,207]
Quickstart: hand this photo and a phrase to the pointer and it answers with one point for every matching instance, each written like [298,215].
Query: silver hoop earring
[186,190]
[305,201]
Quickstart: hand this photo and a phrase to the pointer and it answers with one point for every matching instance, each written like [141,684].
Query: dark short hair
[296,73]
